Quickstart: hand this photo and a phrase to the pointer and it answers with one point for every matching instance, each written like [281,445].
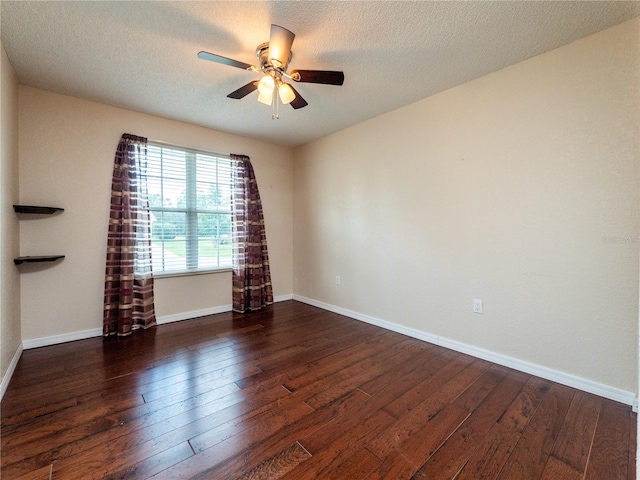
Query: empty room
[319,240]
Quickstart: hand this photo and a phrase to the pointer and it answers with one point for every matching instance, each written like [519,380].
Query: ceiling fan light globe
[266,86]
[286,93]
[266,99]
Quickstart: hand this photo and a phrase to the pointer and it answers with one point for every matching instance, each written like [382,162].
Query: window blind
[190,204]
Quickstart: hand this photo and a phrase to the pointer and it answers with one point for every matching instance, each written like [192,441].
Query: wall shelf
[36,209]
[35,259]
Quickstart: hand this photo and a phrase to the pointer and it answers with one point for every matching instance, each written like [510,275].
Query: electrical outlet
[477,305]
[337,279]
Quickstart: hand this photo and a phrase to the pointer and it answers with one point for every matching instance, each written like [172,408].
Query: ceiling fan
[274,57]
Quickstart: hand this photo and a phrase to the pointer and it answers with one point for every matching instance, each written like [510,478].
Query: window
[189,199]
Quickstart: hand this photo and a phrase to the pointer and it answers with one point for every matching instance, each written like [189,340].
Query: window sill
[191,272]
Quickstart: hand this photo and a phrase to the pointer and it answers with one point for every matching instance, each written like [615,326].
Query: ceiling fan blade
[298,102]
[326,77]
[212,57]
[280,42]
[244,90]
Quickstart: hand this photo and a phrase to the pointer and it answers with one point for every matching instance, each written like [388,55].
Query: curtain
[251,276]
[128,290]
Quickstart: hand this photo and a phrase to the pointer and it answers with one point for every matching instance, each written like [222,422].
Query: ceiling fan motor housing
[262,52]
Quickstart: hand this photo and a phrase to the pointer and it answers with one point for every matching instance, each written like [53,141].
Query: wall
[67,146]
[520,188]
[10,341]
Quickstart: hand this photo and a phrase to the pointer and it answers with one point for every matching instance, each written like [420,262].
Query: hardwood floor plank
[361,372]
[205,424]
[576,436]
[433,383]
[330,458]
[32,414]
[478,390]
[417,418]
[491,455]
[342,365]
[209,345]
[36,376]
[449,459]
[326,434]
[39,474]
[236,331]
[520,411]
[245,452]
[246,459]
[272,420]
[420,366]
[422,443]
[530,456]
[152,465]
[358,464]
[558,470]
[276,466]
[609,453]
[195,384]
[316,352]
[395,467]
[323,362]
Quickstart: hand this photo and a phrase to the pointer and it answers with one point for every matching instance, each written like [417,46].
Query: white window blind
[190,204]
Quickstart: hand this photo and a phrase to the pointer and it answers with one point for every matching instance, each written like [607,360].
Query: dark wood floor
[294,392]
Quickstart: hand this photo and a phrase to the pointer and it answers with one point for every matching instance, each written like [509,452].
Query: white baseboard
[62,338]
[600,389]
[9,373]
[283,298]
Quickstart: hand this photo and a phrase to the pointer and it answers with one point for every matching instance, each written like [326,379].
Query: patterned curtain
[251,276]
[128,290]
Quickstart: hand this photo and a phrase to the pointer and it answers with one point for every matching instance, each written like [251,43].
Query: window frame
[190,210]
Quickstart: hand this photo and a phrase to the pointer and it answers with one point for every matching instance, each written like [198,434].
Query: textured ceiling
[142,55]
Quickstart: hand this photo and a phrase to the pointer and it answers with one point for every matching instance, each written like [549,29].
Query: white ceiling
[142,55]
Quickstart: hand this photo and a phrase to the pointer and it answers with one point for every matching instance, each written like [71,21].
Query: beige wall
[67,146]
[10,339]
[520,188]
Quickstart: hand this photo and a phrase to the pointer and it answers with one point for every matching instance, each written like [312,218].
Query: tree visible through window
[189,200]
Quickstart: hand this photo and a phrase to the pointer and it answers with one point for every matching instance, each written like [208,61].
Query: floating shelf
[40,258]
[36,209]
[39,210]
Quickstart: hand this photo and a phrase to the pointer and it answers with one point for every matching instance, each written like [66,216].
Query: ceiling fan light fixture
[286,93]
